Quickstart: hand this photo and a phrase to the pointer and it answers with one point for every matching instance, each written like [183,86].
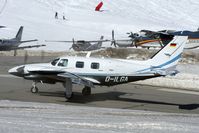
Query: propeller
[132,35]
[73,40]
[21,70]
[135,37]
[15,52]
[42,55]
[113,41]
[25,57]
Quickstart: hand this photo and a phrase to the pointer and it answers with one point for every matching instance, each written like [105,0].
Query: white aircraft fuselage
[106,72]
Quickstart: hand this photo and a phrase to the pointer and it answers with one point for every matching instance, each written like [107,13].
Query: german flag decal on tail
[173,45]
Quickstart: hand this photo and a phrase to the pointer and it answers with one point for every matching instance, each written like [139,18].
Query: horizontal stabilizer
[29,41]
[31,46]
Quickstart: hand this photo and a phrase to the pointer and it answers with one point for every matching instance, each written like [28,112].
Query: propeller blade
[15,52]
[73,41]
[25,57]
[113,42]
[113,35]
[42,55]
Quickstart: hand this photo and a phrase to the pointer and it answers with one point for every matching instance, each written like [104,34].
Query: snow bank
[43,117]
[180,81]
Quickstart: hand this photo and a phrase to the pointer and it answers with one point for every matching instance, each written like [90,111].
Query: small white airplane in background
[84,45]
[89,71]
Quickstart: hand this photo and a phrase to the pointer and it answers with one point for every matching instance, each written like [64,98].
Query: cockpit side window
[63,63]
[54,62]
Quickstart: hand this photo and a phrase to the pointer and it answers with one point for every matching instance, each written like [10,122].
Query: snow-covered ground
[187,79]
[37,16]
[24,117]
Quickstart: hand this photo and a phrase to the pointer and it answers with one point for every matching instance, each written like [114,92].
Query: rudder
[19,34]
[169,55]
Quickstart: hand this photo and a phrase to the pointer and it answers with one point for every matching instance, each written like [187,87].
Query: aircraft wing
[98,41]
[74,77]
[151,33]
[77,79]
[78,41]
[30,46]
[123,40]
[60,41]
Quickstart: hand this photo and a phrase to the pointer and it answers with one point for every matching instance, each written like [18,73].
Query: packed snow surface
[20,117]
[82,22]
[187,78]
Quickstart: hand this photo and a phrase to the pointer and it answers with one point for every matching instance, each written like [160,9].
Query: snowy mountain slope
[37,16]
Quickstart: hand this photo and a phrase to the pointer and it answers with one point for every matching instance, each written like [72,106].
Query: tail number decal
[116,79]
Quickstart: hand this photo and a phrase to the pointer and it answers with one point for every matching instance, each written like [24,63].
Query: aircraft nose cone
[17,71]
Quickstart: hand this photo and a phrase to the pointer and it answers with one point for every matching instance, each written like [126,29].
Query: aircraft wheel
[86,91]
[34,90]
[68,97]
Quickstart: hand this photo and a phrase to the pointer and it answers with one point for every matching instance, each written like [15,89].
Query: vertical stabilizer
[169,55]
[100,42]
[19,34]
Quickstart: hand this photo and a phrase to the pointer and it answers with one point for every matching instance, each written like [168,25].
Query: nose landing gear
[34,88]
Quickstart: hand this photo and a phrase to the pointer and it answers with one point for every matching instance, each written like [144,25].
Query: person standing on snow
[56,15]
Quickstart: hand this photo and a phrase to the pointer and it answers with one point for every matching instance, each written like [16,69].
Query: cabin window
[54,62]
[63,62]
[79,64]
[95,65]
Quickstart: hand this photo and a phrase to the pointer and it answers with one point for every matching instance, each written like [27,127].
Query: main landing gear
[86,91]
[68,90]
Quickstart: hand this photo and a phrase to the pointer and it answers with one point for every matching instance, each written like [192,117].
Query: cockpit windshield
[63,63]
[54,62]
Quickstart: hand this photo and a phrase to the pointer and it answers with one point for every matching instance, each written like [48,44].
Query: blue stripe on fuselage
[162,65]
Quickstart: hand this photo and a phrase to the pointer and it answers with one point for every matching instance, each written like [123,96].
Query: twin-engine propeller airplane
[89,71]
[13,44]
